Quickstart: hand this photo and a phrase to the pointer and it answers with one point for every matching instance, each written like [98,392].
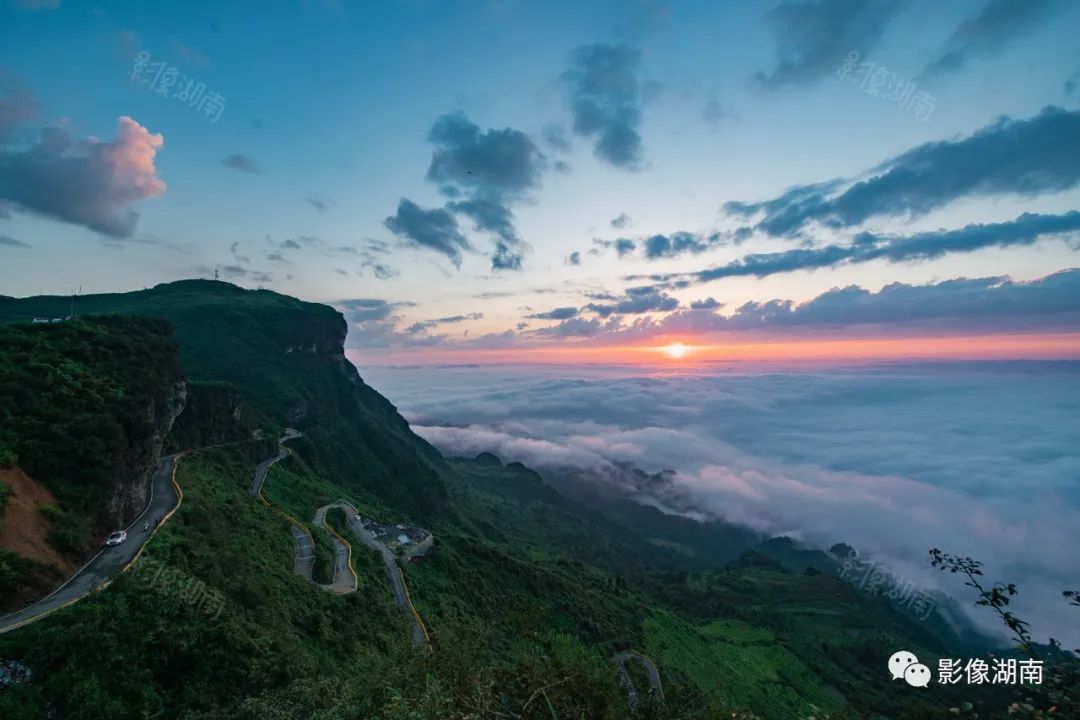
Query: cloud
[573,327]
[706,304]
[814,36]
[988,305]
[491,169]
[243,163]
[6,241]
[637,300]
[676,244]
[374,323]
[604,89]
[573,258]
[714,114]
[994,304]
[987,33]
[561,313]
[623,246]
[435,229]
[90,182]
[496,218]
[425,325]
[489,163]
[1026,229]
[237,272]
[1009,157]
[556,137]
[380,270]
[975,459]
[320,204]
[622,221]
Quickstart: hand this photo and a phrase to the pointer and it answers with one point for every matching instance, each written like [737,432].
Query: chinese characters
[169,580]
[876,81]
[874,578]
[169,82]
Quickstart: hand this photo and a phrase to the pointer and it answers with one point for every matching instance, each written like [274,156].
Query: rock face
[130,492]
[214,413]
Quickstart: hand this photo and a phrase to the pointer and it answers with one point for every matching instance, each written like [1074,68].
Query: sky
[564,181]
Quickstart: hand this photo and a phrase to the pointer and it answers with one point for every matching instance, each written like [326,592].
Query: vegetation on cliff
[78,401]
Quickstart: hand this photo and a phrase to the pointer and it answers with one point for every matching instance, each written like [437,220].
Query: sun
[675,351]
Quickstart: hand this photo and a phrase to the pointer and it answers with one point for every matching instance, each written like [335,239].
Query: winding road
[165,498]
[344,577]
[393,570]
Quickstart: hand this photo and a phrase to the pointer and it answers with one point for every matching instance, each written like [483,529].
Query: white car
[116,538]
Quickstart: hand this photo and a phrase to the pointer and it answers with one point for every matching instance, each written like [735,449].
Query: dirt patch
[23,530]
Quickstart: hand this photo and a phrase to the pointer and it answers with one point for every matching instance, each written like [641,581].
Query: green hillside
[527,594]
[285,357]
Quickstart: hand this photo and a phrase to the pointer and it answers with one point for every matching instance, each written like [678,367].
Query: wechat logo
[903,665]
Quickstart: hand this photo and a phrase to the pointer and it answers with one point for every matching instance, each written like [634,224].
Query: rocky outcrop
[130,491]
[215,413]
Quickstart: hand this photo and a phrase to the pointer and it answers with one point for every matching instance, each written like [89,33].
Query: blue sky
[662,112]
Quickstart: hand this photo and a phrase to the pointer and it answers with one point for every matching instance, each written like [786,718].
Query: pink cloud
[91,183]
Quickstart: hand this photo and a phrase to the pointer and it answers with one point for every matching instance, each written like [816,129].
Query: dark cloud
[706,304]
[435,229]
[986,33]
[562,313]
[239,272]
[994,303]
[605,95]
[1072,83]
[574,327]
[425,325]
[490,169]
[623,246]
[1018,157]
[291,244]
[488,163]
[556,137]
[814,36]
[494,217]
[380,270]
[680,243]
[319,204]
[89,183]
[714,113]
[573,258]
[622,221]
[6,241]
[1024,230]
[243,163]
[637,300]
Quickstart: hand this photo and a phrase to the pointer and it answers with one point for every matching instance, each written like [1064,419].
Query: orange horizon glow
[1035,346]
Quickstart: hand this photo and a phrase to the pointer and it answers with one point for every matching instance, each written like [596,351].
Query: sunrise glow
[675,351]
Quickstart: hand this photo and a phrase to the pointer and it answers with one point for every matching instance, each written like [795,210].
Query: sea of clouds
[977,459]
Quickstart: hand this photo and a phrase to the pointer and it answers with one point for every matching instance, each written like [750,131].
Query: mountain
[285,358]
[532,599]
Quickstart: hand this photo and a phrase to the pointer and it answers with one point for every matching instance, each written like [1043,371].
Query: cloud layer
[977,459]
